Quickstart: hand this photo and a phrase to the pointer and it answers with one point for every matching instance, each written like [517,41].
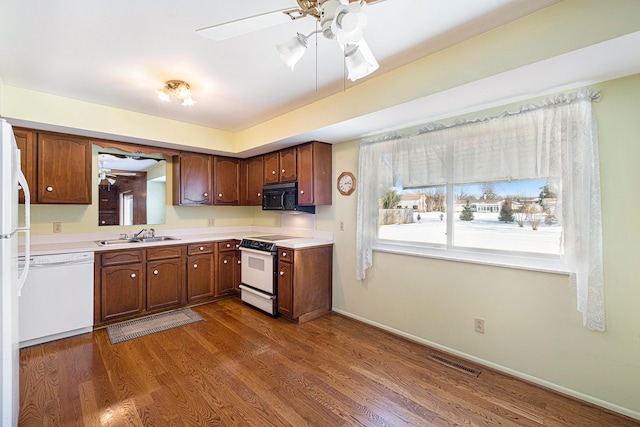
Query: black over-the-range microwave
[283,198]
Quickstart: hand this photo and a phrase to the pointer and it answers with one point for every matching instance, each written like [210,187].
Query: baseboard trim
[521,375]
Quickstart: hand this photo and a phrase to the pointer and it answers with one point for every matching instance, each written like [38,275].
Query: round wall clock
[346,183]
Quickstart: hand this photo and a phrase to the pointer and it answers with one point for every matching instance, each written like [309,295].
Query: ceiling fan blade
[242,26]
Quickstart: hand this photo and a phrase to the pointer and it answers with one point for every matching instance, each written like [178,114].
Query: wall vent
[455,365]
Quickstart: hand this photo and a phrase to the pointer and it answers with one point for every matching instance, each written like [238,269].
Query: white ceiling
[118,52]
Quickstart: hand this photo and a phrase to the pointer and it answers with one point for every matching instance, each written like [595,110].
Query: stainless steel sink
[153,239]
[135,240]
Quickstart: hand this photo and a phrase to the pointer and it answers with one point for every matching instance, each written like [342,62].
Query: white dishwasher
[56,300]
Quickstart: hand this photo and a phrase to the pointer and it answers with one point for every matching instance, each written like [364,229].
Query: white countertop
[56,244]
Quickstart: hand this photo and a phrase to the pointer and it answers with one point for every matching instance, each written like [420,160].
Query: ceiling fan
[341,20]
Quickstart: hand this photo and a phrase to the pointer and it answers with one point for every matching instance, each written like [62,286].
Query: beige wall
[532,325]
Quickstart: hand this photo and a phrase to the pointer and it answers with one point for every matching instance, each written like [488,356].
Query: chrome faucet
[152,233]
[137,235]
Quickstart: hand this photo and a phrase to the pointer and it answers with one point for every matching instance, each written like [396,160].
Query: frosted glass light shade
[292,50]
[359,60]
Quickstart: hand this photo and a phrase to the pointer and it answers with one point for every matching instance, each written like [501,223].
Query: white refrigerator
[11,278]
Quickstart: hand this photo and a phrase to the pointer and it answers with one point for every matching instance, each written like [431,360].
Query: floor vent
[455,365]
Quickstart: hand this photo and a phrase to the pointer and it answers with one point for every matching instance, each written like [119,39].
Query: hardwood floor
[241,367]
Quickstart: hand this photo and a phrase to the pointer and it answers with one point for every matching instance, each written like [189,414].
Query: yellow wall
[532,325]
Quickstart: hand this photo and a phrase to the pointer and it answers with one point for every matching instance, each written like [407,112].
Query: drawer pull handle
[258,194]
[220,195]
[282,170]
[205,194]
[133,275]
[284,254]
[228,245]
[273,172]
[195,265]
[239,261]
[301,191]
[282,273]
[49,189]
[155,272]
[224,262]
[202,248]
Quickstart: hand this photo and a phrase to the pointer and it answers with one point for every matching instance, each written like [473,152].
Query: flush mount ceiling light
[179,89]
[340,20]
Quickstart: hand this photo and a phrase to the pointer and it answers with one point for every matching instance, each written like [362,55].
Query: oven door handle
[260,294]
[255,251]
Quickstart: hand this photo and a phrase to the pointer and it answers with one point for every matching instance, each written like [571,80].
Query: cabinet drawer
[164,252]
[122,257]
[200,248]
[227,245]
[285,255]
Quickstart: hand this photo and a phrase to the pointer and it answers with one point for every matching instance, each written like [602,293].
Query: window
[551,147]
[515,217]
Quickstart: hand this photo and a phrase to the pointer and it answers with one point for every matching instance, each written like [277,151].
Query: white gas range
[259,262]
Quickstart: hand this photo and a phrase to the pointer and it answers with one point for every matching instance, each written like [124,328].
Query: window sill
[541,263]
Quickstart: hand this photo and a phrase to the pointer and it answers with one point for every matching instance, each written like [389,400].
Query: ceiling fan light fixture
[293,50]
[348,23]
[359,60]
[179,89]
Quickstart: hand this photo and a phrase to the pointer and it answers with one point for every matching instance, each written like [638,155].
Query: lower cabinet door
[164,283]
[122,291]
[285,289]
[200,278]
[226,273]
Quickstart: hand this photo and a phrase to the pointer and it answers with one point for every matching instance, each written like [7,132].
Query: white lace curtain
[554,140]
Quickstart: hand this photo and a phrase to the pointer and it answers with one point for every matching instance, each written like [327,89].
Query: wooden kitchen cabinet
[63,169]
[132,283]
[26,142]
[314,174]
[226,182]
[192,179]
[252,176]
[228,281]
[305,282]
[200,271]
[281,166]
[165,277]
[121,288]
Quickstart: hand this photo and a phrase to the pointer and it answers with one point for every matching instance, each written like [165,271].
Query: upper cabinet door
[271,168]
[193,179]
[226,181]
[314,177]
[288,165]
[252,181]
[26,141]
[64,169]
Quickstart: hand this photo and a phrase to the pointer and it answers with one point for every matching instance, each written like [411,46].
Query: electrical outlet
[212,222]
[341,225]
[478,325]
[57,227]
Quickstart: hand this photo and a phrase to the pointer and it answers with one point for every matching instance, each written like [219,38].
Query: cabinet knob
[155,272]
[49,189]
[282,273]
[239,261]
[282,170]
[195,265]
[273,172]
[224,262]
[284,254]
[103,221]
[133,275]
[228,245]
[258,194]
[202,248]
[301,191]
[205,194]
